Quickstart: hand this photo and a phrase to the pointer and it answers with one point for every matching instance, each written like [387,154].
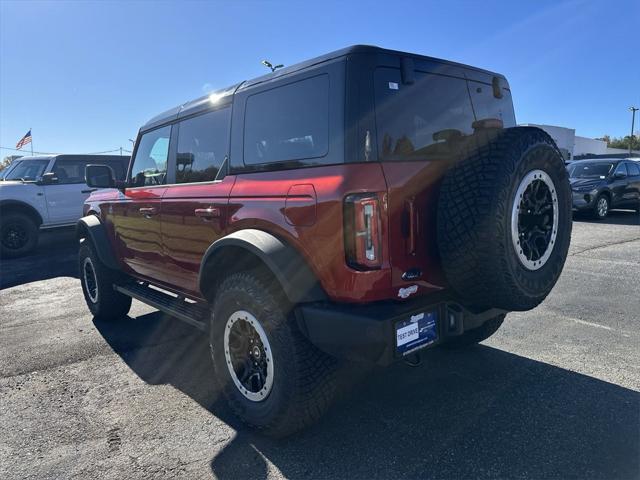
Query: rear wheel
[477,335]
[97,281]
[601,208]
[271,376]
[18,235]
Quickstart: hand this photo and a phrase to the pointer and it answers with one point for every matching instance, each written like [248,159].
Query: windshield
[427,119]
[28,170]
[590,170]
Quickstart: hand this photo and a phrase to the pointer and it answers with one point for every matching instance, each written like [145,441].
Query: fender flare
[297,279]
[91,227]
[24,206]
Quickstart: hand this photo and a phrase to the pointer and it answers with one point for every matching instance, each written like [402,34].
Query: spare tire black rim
[14,236]
[534,219]
[248,356]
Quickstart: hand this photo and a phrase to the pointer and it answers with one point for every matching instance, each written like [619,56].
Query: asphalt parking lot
[555,394]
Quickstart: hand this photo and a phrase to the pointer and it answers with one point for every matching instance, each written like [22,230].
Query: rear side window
[288,123]
[150,163]
[203,144]
[426,120]
[633,169]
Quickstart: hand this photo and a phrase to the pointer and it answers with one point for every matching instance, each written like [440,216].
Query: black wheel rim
[14,236]
[248,356]
[534,219]
[90,281]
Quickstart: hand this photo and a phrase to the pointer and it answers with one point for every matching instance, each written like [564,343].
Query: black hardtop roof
[225,95]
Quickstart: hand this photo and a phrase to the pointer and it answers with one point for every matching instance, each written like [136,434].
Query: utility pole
[633,119]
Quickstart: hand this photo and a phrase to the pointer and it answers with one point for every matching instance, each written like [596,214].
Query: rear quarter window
[288,123]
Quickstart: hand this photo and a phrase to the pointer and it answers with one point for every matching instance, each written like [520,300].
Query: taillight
[362,231]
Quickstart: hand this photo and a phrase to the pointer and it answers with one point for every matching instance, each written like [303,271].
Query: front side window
[428,119]
[150,163]
[621,168]
[70,170]
[288,123]
[27,170]
[203,144]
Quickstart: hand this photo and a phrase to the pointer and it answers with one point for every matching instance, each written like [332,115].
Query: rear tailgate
[418,125]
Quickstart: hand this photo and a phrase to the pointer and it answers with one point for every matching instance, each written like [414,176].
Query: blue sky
[85,75]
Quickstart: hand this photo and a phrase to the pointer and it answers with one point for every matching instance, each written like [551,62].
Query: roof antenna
[268,64]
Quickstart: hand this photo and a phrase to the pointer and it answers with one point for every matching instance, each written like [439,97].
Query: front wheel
[272,377]
[18,235]
[97,281]
[601,209]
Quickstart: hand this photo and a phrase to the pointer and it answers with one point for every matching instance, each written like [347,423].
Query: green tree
[622,142]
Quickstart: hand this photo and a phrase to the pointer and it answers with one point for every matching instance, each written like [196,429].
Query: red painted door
[136,214]
[193,217]
[194,208]
[136,223]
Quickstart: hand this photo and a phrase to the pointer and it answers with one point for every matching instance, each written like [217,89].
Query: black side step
[195,314]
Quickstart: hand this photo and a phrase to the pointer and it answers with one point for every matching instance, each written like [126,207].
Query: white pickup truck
[45,192]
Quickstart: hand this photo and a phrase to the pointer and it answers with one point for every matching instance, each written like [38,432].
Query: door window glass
[70,170]
[621,168]
[150,163]
[288,123]
[633,169]
[203,144]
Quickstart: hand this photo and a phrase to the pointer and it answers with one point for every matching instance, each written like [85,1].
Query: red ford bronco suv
[362,205]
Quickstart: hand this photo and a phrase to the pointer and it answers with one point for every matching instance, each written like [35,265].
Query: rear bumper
[367,333]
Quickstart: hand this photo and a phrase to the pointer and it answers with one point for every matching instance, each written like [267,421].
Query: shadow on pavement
[615,217]
[482,413]
[56,256]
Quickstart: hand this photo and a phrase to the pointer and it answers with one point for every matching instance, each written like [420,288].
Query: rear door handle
[148,212]
[207,213]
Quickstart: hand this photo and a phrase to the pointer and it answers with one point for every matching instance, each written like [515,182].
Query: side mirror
[619,175]
[99,176]
[48,179]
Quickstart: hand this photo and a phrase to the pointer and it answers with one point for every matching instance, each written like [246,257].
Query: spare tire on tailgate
[504,219]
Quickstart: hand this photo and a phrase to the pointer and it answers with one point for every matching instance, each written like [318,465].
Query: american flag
[24,140]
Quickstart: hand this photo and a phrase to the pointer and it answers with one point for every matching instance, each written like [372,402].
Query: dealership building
[572,145]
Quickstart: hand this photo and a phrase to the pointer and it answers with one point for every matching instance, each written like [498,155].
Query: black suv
[600,185]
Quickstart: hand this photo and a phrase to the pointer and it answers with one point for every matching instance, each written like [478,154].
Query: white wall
[584,145]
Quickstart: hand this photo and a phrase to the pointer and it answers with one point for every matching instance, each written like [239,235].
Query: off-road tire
[24,226]
[474,219]
[596,207]
[304,378]
[107,304]
[477,335]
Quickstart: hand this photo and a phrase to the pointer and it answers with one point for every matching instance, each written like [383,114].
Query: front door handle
[148,212]
[207,213]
